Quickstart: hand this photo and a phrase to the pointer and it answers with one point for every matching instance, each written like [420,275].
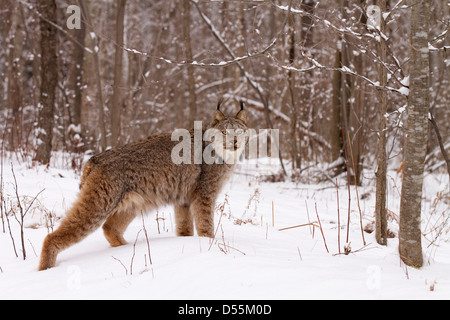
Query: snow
[405,81]
[421,34]
[250,257]
[404,91]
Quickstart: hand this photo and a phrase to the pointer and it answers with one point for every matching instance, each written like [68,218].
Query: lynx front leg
[184,221]
[202,209]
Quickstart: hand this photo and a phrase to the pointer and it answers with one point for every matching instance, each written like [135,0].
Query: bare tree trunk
[116,102]
[14,41]
[190,70]
[335,117]
[75,81]
[307,23]
[295,150]
[99,95]
[355,117]
[380,204]
[410,246]
[255,86]
[305,106]
[355,120]
[49,78]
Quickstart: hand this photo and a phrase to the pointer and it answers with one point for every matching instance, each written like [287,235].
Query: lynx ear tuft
[219,103]
[217,116]
[242,114]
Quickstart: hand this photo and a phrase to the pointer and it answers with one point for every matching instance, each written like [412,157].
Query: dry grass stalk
[300,225]
[126,270]
[134,252]
[321,230]
[23,212]
[338,218]
[273,216]
[146,239]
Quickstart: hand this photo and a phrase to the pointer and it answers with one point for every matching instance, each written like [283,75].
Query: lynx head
[229,134]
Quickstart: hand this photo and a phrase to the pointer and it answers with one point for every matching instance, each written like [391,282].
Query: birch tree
[415,148]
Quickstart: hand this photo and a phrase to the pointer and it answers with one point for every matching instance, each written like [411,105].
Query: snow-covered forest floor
[250,258]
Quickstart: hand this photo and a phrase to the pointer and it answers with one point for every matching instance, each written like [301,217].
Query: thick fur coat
[121,183]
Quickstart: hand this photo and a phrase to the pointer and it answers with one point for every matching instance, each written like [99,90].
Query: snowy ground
[250,257]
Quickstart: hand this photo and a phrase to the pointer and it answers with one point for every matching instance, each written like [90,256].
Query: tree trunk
[380,204]
[335,117]
[295,150]
[306,109]
[190,71]
[75,81]
[49,78]
[410,246]
[14,49]
[355,121]
[98,79]
[116,101]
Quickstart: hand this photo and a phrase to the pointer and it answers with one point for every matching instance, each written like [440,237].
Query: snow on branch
[345,70]
[255,85]
[347,31]
[216,34]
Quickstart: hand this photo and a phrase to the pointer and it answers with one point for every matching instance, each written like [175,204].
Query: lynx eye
[239,132]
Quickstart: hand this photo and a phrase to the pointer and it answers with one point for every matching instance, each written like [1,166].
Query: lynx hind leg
[80,221]
[115,226]
[94,203]
[202,209]
[184,221]
[127,209]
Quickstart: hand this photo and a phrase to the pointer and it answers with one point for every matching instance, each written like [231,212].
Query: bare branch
[441,143]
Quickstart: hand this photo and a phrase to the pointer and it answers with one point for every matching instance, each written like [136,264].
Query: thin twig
[10,232]
[134,252]
[309,220]
[321,231]
[348,183]
[273,216]
[146,238]
[440,141]
[221,209]
[1,183]
[363,248]
[356,188]
[22,215]
[338,218]
[298,226]
[126,270]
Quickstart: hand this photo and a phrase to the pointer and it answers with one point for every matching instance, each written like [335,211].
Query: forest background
[333,76]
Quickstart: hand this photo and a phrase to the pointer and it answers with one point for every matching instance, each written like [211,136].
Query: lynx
[120,183]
